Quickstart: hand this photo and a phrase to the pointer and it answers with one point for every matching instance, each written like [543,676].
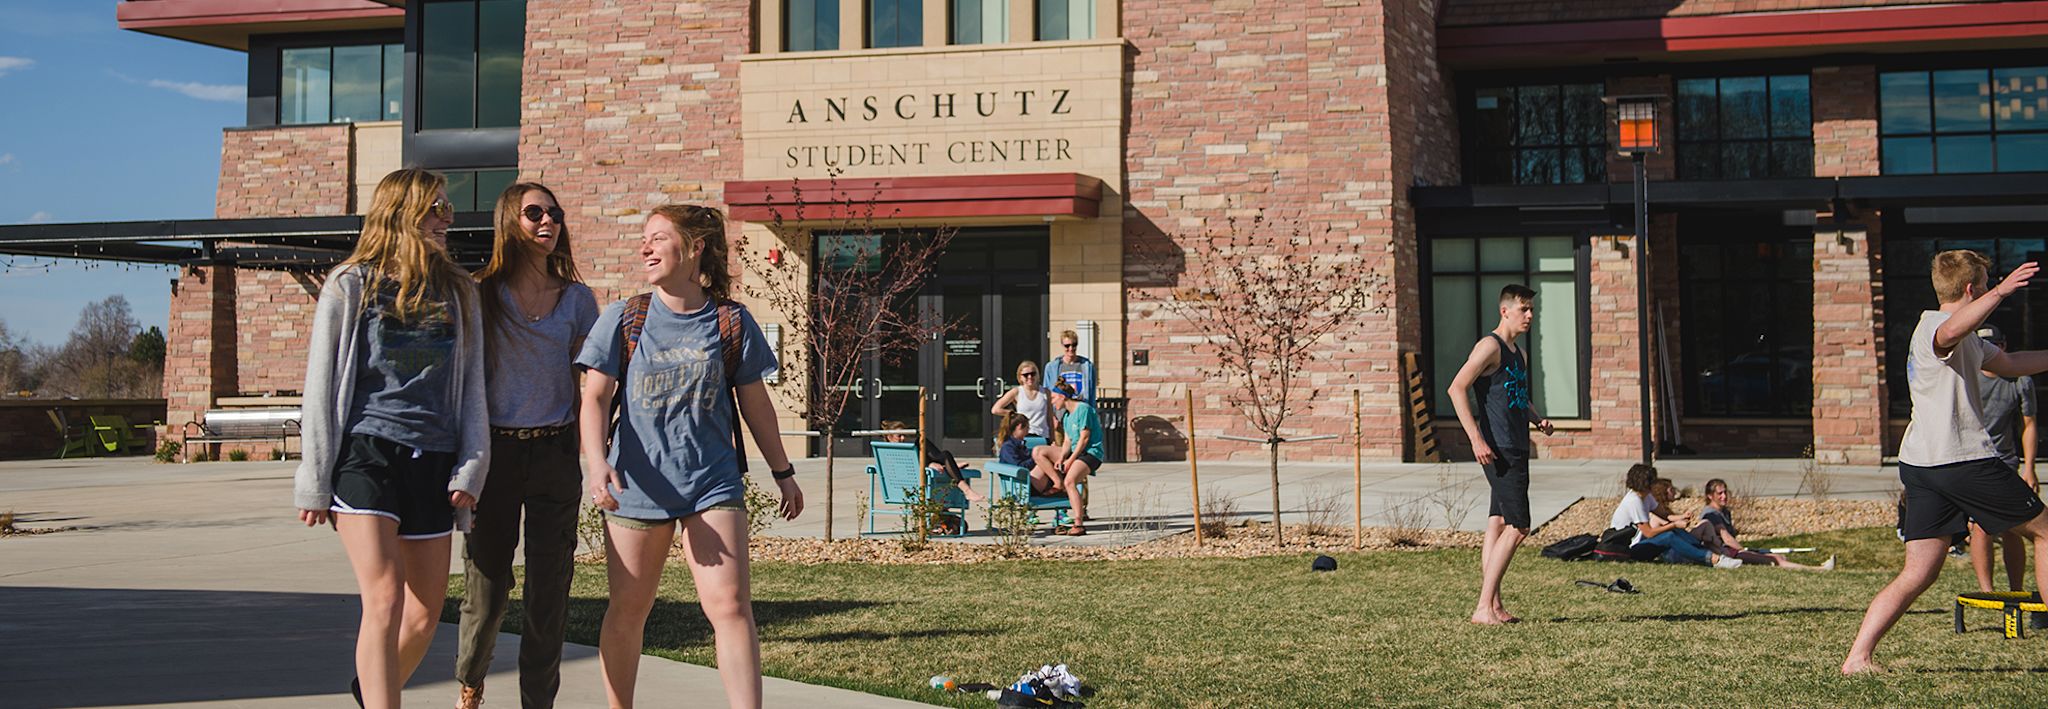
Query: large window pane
[306,76]
[462,189]
[1908,156]
[358,83]
[895,23]
[1962,153]
[1743,108]
[1791,106]
[1497,255]
[1905,108]
[1536,115]
[981,21]
[448,65]
[1453,255]
[1742,160]
[1792,158]
[1696,106]
[2023,153]
[1585,117]
[488,184]
[813,25]
[394,82]
[1962,101]
[501,42]
[1554,344]
[1464,304]
[2022,98]
[1066,19]
[1455,322]
[1553,254]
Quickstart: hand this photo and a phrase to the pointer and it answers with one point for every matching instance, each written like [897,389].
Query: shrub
[1218,512]
[201,455]
[1404,521]
[167,450]
[238,455]
[7,522]
[1013,521]
[277,454]
[761,507]
[1319,510]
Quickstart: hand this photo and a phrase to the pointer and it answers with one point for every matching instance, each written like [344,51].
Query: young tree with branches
[1268,298]
[851,299]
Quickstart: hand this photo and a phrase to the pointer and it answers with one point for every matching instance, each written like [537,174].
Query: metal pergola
[268,243]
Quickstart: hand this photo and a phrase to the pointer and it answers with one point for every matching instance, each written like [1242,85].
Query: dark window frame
[1789,401]
[1908,292]
[1770,141]
[1476,155]
[1933,134]
[1582,261]
[266,69]
[448,148]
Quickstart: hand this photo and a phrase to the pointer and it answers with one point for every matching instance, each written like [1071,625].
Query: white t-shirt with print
[1634,509]
[1948,411]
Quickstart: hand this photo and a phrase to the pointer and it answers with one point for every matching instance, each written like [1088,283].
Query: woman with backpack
[684,364]
[536,311]
[395,429]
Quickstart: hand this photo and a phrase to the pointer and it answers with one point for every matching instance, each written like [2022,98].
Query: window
[895,23]
[981,21]
[1964,120]
[1066,19]
[1537,135]
[1745,127]
[1747,323]
[813,25]
[1908,291]
[470,63]
[340,84]
[1466,276]
[477,190]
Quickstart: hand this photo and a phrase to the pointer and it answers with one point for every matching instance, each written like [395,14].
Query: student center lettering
[1815,154]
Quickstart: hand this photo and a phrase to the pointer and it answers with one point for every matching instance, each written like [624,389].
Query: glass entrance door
[990,290]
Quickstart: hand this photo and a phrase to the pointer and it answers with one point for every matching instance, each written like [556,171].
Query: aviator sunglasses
[533,213]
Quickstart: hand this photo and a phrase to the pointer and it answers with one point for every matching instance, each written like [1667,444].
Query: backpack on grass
[1572,548]
[1614,545]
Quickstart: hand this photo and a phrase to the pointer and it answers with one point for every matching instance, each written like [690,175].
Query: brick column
[199,362]
[1849,391]
[1844,121]
[1615,412]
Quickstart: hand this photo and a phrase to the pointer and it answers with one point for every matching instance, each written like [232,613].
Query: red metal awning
[1054,195]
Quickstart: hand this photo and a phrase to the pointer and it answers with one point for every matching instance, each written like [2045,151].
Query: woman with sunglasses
[1028,398]
[536,311]
[395,429]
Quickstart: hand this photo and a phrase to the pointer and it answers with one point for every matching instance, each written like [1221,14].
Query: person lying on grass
[1660,535]
[1716,531]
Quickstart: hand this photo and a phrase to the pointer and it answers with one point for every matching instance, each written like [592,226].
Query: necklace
[527,309]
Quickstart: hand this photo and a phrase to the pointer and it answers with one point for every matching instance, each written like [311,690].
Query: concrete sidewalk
[194,585]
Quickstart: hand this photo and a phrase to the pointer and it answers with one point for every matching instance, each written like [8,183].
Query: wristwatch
[785,473]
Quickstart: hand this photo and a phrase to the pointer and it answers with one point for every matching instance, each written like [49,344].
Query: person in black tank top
[1497,373]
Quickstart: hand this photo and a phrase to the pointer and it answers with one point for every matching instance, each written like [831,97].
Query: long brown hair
[1010,423]
[706,226]
[393,249]
[512,251]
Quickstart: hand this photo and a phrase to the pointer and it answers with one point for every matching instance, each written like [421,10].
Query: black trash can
[1115,418]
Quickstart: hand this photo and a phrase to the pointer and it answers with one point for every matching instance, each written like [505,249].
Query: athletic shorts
[1509,478]
[396,481]
[1093,462]
[643,523]
[1941,501]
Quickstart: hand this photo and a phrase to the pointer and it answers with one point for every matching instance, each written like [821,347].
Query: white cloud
[9,65]
[6,158]
[41,217]
[203,92]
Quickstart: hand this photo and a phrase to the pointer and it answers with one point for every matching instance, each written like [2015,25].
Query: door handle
[878,389]
[981,387]
[1001,386]
[860,387]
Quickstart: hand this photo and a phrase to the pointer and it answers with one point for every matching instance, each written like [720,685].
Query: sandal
[1073,531]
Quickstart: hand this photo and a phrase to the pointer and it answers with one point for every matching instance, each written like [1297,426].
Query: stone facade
[1493,12]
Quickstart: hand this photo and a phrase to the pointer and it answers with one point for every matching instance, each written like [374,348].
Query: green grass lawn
[1386,629]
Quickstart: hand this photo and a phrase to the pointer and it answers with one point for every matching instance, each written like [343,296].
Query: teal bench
[1014,483]
[895,474]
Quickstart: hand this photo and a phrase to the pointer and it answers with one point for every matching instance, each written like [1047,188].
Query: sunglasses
[442,208]
[533,213]
[1068,345]
[1021,375]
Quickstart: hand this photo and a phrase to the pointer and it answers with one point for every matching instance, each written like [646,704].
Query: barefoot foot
[1858,667]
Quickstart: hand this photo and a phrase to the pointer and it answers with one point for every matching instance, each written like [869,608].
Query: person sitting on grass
[1663,535]
[937,460]
[1716,532]
[1010,446]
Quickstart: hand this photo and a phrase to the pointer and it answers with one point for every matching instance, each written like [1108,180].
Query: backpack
[634,320]
[1572,548]
[1614,544]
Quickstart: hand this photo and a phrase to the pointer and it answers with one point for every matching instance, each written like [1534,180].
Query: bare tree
[1268,297]
[855,300]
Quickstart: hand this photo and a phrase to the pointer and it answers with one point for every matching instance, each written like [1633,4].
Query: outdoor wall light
[1636,125]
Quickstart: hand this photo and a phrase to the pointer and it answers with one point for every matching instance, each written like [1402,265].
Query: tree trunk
[1273,460]
[827,438]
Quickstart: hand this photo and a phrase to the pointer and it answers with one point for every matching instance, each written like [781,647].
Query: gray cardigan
[330,390]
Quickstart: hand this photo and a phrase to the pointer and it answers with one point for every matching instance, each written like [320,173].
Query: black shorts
[1509,478]
[1093,462]
[1941,501]
[395,481]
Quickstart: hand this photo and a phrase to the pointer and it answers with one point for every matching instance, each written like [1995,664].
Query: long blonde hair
[512,251]
[393,249]
[703,225]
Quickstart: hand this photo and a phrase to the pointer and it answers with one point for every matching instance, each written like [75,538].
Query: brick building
[1464,142]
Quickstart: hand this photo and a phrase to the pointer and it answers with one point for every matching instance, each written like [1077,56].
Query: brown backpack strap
[631,323]
[730,338]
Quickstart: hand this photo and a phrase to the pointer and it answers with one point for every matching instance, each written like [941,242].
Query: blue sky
[102,124]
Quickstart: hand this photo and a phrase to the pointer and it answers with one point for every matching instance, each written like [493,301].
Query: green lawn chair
[114,434]
[76,442]
[895,474]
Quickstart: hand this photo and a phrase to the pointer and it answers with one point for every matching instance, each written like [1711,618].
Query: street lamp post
[1635,131]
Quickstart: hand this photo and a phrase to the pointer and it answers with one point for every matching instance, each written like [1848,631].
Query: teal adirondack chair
[1014,482]
[895,473]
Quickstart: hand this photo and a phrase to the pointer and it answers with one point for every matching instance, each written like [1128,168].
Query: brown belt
[526,434]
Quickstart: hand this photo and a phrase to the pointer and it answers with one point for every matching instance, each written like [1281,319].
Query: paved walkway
[195,584]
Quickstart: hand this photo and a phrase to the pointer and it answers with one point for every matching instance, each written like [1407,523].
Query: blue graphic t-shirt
[404,378]
[1504,401]
[674,447]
